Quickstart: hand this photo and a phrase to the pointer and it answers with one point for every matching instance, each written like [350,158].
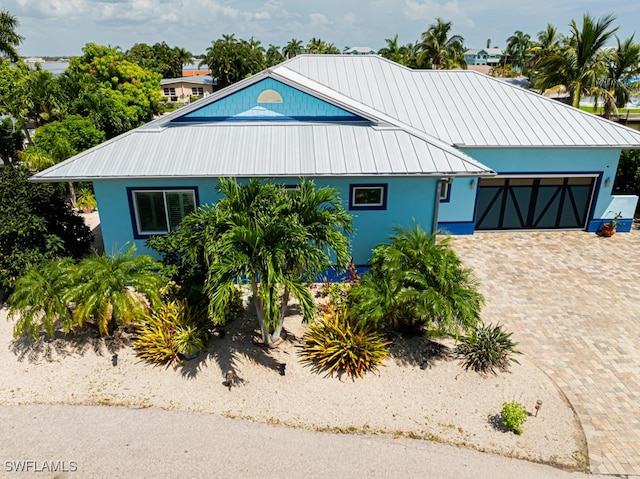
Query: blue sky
[62,27]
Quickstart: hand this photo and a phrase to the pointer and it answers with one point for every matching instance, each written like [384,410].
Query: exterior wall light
[472,184]
[607,182]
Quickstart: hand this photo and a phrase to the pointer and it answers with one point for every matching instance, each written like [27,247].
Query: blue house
[483,56]
[452,150]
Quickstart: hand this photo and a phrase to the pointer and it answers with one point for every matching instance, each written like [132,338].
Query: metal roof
[264,150]
[416,123]
[197,79]
[460,107]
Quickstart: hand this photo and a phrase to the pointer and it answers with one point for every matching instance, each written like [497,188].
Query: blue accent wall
[408,199]
[460,211]
[243,106]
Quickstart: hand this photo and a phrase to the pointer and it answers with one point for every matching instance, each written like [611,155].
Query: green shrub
[486,349]
[417,282]
[514,415]
[335,343]
[173,329]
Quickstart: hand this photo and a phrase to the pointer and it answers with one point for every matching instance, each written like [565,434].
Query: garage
[513,203]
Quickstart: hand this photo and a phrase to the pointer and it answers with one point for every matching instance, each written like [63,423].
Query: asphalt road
[57,441]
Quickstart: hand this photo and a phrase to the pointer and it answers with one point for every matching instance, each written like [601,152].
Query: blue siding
[243,106]
[408,199]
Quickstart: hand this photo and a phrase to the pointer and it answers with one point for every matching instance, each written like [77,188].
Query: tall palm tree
[273,55]
[517,50]
[582,61]
[622,70]
[293,48]
[109,288]
[9,39]
[439,49]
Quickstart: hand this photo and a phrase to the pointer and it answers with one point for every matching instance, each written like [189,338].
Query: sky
[63,27]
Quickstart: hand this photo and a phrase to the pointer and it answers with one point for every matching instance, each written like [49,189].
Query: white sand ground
[442,403]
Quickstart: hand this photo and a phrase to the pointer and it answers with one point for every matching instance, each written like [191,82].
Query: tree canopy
[9,38]
[37,225]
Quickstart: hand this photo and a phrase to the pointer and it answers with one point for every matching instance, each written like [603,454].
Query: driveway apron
[572,301]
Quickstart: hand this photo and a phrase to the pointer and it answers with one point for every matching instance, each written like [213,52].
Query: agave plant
[487,348]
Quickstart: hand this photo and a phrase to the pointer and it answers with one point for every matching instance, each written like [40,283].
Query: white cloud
[319,19]
[53,8]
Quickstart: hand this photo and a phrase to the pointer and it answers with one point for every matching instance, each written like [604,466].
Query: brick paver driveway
[572,300]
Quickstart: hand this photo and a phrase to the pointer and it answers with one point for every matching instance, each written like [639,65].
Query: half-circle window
[269,96]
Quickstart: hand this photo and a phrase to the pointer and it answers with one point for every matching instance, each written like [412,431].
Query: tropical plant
[115,289]
[487,348]
[37,225]
[337,344]
[418,282]
[402,54]
[11,141]
[517,51]
[273,55]
[170,332]
[514,415]
[582,60]
[293,48]
[38,301]
[620,82]
[230,60]
[278,240]
[437,50]
[86,199]
[9,39]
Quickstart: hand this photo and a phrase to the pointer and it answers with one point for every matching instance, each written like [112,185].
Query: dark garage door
[533,203]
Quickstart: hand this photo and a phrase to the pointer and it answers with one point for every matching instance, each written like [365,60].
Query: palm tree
[582,61]
[416,281]
[517,50]
[273,55]
[38,300]
[9,39]
[440,49]
[396,53]
[277,240]
[293,48]
[114,289]
[623,68]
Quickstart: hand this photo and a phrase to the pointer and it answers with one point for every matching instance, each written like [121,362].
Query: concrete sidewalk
[108,442]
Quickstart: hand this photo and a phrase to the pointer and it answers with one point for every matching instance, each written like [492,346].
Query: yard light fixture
[538,406]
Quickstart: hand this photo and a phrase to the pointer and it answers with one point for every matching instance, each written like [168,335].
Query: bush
[172,330]
[514,415]
[417,282]
[335,343]
[486,349]
[37,225]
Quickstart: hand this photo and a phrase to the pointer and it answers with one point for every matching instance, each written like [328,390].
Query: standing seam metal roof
[460,107]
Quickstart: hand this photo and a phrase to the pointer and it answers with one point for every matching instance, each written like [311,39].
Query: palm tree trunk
[257,301]
[576,95]
[283,309]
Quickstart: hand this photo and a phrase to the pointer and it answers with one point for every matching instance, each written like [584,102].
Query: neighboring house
[484,56]
[455,150]
[187,89]
[360,51]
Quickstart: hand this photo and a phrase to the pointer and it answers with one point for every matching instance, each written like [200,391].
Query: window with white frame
[197,90]
[160,211]
[368,197]
[169,91]
[444,190]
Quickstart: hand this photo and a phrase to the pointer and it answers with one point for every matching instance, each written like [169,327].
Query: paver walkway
[572,301]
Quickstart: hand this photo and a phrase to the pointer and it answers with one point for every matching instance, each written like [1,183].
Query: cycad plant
[38,301]
[115,289]
[418,281]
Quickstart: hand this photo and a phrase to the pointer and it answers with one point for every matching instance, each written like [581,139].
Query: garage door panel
[533,203]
